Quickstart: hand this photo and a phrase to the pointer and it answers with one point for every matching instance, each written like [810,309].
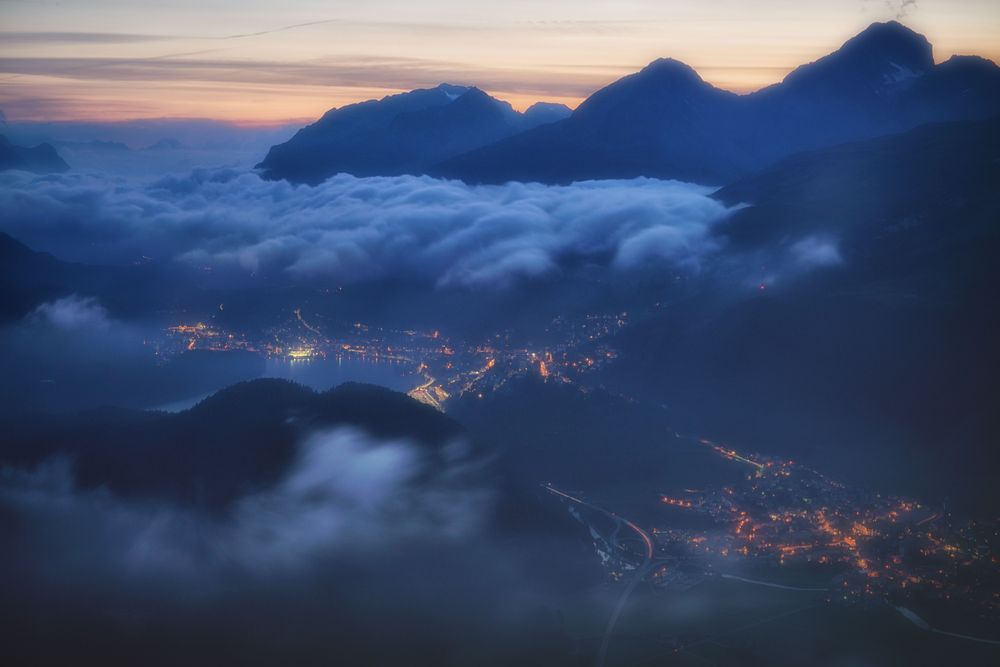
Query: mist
[362,537]
[349,230]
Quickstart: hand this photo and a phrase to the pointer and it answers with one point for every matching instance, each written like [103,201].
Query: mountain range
[402,134]
[664,121]
[237,440]
[42,158]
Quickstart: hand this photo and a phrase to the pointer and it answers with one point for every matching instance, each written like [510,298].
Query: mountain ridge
[41,159]
[665,121]
[400,134]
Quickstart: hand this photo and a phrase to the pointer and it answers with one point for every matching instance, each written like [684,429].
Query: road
[772,585]
[912,617]
[640,571]
[423,394]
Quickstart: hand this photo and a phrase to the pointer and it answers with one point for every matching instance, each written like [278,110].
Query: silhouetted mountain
[42,159]
[399,134]
[237,441]
[543,113]
[661,121]
[96,145]
[28,278]
[666,122]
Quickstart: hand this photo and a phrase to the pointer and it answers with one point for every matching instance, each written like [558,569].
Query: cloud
[74,313]
[352,71]
[816,252]
[347,494]
[69,354]
[897,9]
[350,230]
[901,8]
[362,539]
[47,38]
[350,491]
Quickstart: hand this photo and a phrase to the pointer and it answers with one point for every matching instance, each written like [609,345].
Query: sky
[258,62]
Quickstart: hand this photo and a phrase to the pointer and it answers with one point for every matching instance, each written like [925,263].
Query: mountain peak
[42,159]
[892,42]
[880,59]
[477,100]
[451,90]
[669,68]
[474,93]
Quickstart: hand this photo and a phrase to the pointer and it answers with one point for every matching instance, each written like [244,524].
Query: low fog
[349,230]
[363,551]
[71,354]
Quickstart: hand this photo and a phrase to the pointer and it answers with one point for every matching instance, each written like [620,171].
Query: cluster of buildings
[443,368]
[824,535]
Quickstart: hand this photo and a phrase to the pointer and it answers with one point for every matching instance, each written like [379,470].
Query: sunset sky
[256,61]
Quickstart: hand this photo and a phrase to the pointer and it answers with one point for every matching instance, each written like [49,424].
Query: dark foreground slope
[237,441]
[860,327]
[271,524]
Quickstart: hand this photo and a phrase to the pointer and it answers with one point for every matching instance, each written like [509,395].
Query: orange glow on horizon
[267,64]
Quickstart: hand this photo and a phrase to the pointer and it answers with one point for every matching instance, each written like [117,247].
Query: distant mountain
[193,133]
[27,278]
[95,145]
[42,159]
[543,113]
[165,145]
[400,134]
[241,439]
[665,121]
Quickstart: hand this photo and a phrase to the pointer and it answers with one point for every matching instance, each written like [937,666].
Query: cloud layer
[350,230]
[346,494]
[361,540]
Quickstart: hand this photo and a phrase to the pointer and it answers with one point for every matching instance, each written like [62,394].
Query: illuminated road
[640,571]
[309,327]
[422,392]
[936,515]
[643,535]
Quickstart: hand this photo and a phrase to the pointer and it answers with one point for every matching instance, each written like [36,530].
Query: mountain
[240,439]
[42,159]
[863,192]
[665,121]
[27,278]
[400,134]
[872,342]
[662,121]
[95,144]
[543,113]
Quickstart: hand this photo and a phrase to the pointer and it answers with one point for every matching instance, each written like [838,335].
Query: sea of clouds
[351,229]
